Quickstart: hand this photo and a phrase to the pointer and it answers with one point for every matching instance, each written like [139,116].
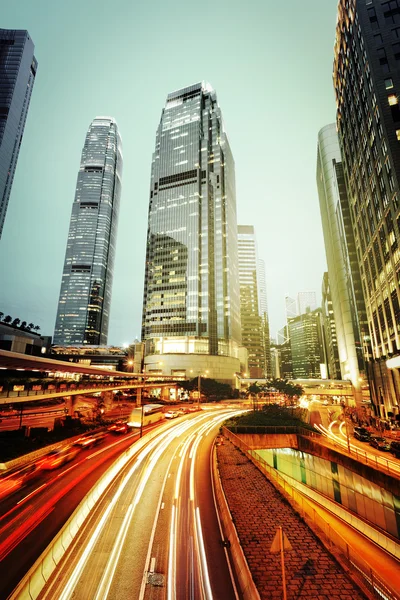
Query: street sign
[276,544]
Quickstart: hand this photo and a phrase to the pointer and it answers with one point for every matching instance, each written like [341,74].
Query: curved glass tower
[85,296]
[17,75]
[191,292]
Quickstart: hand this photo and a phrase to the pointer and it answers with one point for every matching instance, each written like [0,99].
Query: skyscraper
[367,87]
[85,296]
[17,75]
[333,203]
[306,344]
[329,331]
[191,304]
[306,301]
[263,308]
[252,322]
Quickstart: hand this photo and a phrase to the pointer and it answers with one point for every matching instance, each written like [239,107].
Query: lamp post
[199,390]
[346,427]
[141,421]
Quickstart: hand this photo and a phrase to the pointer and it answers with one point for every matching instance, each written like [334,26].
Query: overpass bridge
[322,389]
[97,380]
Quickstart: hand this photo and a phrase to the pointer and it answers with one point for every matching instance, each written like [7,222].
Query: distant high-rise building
[282,335]
[290,307]
[338,240]
[85,296]
[252,322]
[306,345]
[329,331]
[366,78]
[17,75]
[306,301]
[191,304]
[263,308]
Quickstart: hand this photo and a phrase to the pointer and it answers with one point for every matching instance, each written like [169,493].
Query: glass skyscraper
[85,296]
[333,203]
[17,75]
[366,77]
[191,292]
[250,301]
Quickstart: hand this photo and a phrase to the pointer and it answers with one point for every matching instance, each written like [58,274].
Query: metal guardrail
[371,578]
[274,429]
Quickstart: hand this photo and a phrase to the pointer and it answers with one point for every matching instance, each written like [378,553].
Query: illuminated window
[393,99]
[398,134]
[389,83]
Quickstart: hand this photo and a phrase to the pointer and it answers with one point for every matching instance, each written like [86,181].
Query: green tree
[7,319]
[16,322]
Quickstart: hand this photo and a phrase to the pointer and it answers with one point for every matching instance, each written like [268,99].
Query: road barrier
[241,567]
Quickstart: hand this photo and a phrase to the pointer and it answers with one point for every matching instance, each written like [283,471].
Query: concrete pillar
[165,393]
[108,398]
[69,405]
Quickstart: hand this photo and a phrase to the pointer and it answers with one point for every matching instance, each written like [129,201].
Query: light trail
[109,571]
[358,452]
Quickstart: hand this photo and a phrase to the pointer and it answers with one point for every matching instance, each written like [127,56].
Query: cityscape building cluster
[205,303]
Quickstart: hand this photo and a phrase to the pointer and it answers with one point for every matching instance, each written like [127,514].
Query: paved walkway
[257,510]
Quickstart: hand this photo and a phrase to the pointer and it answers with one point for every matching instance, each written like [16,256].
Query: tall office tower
[17,75]
[367,85]
[306,301]
[191,303]
[274,361]
[290,307]
[282,335]
[252,322]
[85,296]
[263,310]
[329,330]
[307,346]
[339,242]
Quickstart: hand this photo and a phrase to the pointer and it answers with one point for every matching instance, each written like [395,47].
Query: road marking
[31,494]
[152,565]
[162,505]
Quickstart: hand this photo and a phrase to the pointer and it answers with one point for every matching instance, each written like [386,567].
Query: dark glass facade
[306,344]
[85,296]
[367,87]
[191,293]
[17,75]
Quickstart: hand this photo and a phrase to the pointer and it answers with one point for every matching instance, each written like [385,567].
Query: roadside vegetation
[272,415]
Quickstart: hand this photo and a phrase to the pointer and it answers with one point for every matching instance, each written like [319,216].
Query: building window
[396,50]
[392,99]
[389,83]
[398,134]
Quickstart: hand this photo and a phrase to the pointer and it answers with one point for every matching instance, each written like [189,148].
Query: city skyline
[286,213]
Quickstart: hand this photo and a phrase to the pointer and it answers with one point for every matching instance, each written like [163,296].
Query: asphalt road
[32,515]
[155,533]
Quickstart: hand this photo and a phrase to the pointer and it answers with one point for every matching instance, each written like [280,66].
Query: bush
[272,415]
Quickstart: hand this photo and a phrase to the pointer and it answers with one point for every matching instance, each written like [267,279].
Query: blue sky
[271,66]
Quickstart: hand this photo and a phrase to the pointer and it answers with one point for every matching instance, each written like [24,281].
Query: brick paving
[257,510]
